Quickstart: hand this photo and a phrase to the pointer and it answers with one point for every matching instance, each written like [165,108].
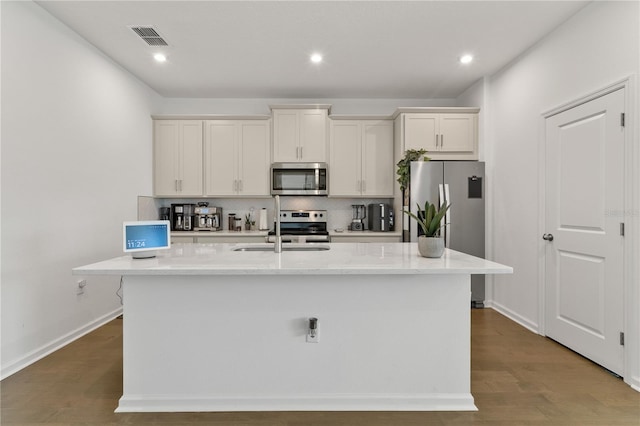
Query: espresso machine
[182,217]
[207,218]
[359,214]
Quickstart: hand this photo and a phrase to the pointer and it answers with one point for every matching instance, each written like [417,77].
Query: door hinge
[622,228]
[621,338]
[622,119]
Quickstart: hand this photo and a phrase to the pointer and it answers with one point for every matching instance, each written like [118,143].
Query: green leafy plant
[404,165]
[430,220]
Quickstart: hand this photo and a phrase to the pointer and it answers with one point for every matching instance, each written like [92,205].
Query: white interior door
[584,248]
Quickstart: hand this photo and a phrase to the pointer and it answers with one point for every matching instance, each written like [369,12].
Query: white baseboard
[634,382]
[424,402]
[53,346]
[529,325]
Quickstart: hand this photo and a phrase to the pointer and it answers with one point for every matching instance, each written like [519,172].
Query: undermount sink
[304,247]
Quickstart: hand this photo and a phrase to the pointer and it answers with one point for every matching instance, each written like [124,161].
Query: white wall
[76,152]
[595,48]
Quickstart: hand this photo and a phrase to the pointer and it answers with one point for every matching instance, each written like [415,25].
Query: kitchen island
[209,328]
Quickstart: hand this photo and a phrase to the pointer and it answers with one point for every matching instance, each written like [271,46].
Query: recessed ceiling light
[316,58]
[466,59]
[159,57]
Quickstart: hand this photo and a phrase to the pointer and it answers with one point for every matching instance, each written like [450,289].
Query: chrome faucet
[277,247]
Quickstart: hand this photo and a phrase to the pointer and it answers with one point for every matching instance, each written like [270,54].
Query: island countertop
[208,328]
[340,259]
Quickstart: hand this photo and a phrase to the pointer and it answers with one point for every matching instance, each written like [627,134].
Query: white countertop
[341,259]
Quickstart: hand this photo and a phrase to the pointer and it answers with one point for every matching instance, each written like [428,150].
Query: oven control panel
[303,216]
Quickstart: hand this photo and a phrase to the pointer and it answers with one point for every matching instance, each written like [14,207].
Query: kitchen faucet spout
[277,248]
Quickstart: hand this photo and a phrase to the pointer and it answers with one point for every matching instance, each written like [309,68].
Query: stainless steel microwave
[299,179]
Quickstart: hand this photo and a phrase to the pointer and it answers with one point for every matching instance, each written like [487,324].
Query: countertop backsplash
[339,209]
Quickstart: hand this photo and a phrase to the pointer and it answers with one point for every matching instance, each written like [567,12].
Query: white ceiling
[260,49]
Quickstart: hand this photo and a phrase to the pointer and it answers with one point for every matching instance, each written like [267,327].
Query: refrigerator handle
[441,201]
[447,218]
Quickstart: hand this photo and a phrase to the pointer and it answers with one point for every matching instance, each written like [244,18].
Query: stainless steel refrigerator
[461,184]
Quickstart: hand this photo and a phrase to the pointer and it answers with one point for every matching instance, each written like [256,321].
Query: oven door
[299,179]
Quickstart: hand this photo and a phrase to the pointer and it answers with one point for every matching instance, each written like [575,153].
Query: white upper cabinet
[361,162]
[420,131]
[300,135]
[177,152]
[451,135]
[237,158]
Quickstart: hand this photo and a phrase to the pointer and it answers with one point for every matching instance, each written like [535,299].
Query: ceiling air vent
[149,35]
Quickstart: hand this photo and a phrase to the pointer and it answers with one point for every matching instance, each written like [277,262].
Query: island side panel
[237,343]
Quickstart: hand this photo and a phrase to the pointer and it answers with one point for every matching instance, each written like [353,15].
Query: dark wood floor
[518,378]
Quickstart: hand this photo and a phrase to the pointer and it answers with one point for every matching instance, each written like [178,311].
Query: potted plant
[404,165]
[431,244]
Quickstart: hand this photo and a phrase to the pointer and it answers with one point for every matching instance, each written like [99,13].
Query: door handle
[547,237]
[447,216]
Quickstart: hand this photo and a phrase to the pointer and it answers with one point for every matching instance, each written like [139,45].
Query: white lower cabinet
[361,162]
[221,237]
[237,158]
[240,239]
[179,239]
[352,238]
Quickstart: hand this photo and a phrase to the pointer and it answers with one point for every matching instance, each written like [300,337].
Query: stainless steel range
[302,226]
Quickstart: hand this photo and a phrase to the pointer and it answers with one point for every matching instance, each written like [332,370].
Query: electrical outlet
[312,331]
[312,339]
[81,285]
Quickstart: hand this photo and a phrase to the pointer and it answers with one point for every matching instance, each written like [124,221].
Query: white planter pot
[430,246]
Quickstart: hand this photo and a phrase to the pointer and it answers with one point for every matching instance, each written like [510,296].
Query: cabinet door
[177,147]
[313,136]
[166,135]
[377,159]
[420,131]
[221,140]
[254,161]
[345,165]
[457,132]
[190,158]
[181,240]
[285,136]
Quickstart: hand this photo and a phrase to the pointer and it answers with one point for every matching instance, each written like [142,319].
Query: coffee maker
[165,213]
[359,214]
[207,218]
[182,217]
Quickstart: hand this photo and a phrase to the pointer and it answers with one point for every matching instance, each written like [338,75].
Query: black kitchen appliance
[358,220]
[165,213]
[380,217]
[302,226]
[182,217]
